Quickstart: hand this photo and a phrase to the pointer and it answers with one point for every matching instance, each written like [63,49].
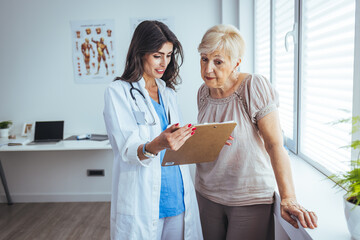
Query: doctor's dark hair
[148,37]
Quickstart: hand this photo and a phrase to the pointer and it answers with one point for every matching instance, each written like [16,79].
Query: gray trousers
[220,222]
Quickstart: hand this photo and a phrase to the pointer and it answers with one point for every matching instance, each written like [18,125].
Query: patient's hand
[229,139]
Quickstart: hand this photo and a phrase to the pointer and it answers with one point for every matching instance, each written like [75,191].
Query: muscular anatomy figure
[101,48]
[85,49]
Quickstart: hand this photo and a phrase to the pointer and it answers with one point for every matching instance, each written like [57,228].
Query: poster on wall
[93,45]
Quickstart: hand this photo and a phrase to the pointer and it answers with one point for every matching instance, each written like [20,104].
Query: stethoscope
[147,104]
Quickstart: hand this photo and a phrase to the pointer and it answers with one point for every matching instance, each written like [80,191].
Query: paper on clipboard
[204,146]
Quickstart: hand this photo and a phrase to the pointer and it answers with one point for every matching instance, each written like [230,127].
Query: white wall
[37,82]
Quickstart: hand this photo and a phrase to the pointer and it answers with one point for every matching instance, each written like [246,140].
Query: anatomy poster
[93,51]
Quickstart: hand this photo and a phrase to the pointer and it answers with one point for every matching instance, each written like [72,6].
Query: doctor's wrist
[143,152]
[147,153]
[152,147]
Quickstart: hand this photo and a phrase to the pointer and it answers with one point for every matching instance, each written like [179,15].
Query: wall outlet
[95,172]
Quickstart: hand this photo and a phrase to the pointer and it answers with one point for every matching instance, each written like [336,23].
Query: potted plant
[350,181]
[4,128]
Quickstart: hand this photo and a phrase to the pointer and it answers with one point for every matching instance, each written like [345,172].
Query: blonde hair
[223,37]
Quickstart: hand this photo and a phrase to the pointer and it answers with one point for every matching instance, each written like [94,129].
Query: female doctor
[149,201]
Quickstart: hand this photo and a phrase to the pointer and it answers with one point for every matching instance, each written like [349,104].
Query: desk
[60,146]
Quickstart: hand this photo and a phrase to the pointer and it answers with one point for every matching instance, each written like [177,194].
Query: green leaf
[5,124]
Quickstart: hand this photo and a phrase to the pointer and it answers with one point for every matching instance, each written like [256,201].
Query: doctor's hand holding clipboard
[171,138]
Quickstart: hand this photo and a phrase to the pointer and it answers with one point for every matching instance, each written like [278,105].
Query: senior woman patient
[236,192]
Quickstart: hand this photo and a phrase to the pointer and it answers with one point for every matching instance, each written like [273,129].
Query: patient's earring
[236,67]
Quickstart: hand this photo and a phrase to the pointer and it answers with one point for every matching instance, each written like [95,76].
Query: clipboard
[204,146]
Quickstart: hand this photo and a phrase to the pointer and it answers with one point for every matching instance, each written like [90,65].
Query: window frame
[291,144]
[356,80]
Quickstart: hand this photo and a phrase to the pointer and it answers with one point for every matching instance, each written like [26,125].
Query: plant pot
[4,133]
[352,215]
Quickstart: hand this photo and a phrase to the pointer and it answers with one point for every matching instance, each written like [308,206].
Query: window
[312,67]
[327,81]
[262,37]
[283,73]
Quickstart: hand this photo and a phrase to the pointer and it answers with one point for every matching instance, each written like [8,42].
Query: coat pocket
[127,190]
[144,132]
[125,227]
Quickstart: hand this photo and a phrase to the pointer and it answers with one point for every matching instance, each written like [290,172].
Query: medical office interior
[308,49]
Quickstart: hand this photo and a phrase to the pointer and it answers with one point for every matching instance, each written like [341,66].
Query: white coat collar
[162,89]
[161,83]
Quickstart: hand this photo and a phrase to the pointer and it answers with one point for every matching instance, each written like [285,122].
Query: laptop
[48,132]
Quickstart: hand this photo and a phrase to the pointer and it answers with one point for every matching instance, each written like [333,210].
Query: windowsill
[316,193]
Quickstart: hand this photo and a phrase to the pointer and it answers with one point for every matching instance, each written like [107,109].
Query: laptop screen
[53,130]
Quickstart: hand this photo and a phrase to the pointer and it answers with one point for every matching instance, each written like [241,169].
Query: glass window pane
[262,37]
[326,81]
[283,64]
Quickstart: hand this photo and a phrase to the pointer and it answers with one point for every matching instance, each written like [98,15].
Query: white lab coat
[136,184]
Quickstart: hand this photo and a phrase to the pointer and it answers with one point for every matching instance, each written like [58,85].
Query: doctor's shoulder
[172,92]
[120,84]
[117,86]
[117,83]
